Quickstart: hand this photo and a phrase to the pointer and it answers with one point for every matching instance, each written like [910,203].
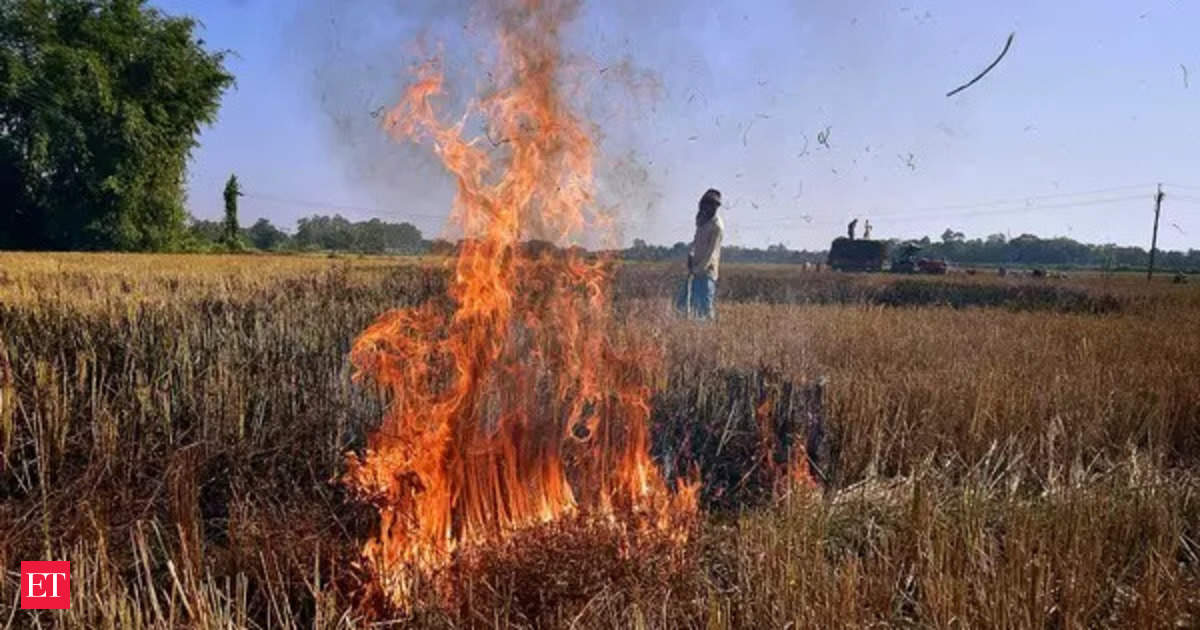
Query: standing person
[704,259]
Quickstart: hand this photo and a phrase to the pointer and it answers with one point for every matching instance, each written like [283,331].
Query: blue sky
[1090,99]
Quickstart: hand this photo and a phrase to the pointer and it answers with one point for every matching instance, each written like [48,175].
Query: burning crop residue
[524,404]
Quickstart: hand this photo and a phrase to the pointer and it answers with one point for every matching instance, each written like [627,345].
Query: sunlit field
[996,452]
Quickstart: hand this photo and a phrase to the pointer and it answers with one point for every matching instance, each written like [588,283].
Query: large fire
[524,402]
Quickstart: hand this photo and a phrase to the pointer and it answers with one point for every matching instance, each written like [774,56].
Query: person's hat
[712,195]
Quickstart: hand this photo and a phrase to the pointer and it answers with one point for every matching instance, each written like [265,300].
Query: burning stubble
[526,403]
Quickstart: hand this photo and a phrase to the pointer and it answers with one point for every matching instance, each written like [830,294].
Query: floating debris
[985,70]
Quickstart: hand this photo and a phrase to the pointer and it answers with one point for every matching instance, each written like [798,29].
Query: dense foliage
[778,253]
[262,235]
[1027,249]
[995,250]
[315,233]
[230,230]
[338,233]
[100,104]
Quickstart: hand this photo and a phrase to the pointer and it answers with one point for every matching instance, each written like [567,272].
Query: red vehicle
[909,263]
[936,267]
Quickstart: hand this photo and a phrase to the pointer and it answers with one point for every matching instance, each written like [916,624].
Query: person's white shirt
[706,247]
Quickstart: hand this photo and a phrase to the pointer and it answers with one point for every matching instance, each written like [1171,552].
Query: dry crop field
[997,452]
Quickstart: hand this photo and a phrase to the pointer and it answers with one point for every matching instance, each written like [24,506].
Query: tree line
[338,234]
[1030,250]
[953,246]
[314,233]
[778,253]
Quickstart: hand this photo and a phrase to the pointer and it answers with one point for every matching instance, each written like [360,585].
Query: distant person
[704,258]
[850,229]
[866,230]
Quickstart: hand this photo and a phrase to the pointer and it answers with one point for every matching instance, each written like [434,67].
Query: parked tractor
[909,262]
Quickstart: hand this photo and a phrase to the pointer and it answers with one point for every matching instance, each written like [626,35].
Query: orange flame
[527,404]
[798,470]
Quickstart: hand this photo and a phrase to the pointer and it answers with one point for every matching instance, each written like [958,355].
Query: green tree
[100,104]
[230,233]
[206,232]
[950,236]
[265,236]
[323,232]
[336,233]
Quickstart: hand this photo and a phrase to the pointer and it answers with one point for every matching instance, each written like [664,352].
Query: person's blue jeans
[703,302]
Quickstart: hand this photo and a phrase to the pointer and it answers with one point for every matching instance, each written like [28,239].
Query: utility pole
[1154,239]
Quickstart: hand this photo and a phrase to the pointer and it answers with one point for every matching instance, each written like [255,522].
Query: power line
[1024,207]
[1025,201]
[334,206]
[1001,211]
[925,213]
[1031,208]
